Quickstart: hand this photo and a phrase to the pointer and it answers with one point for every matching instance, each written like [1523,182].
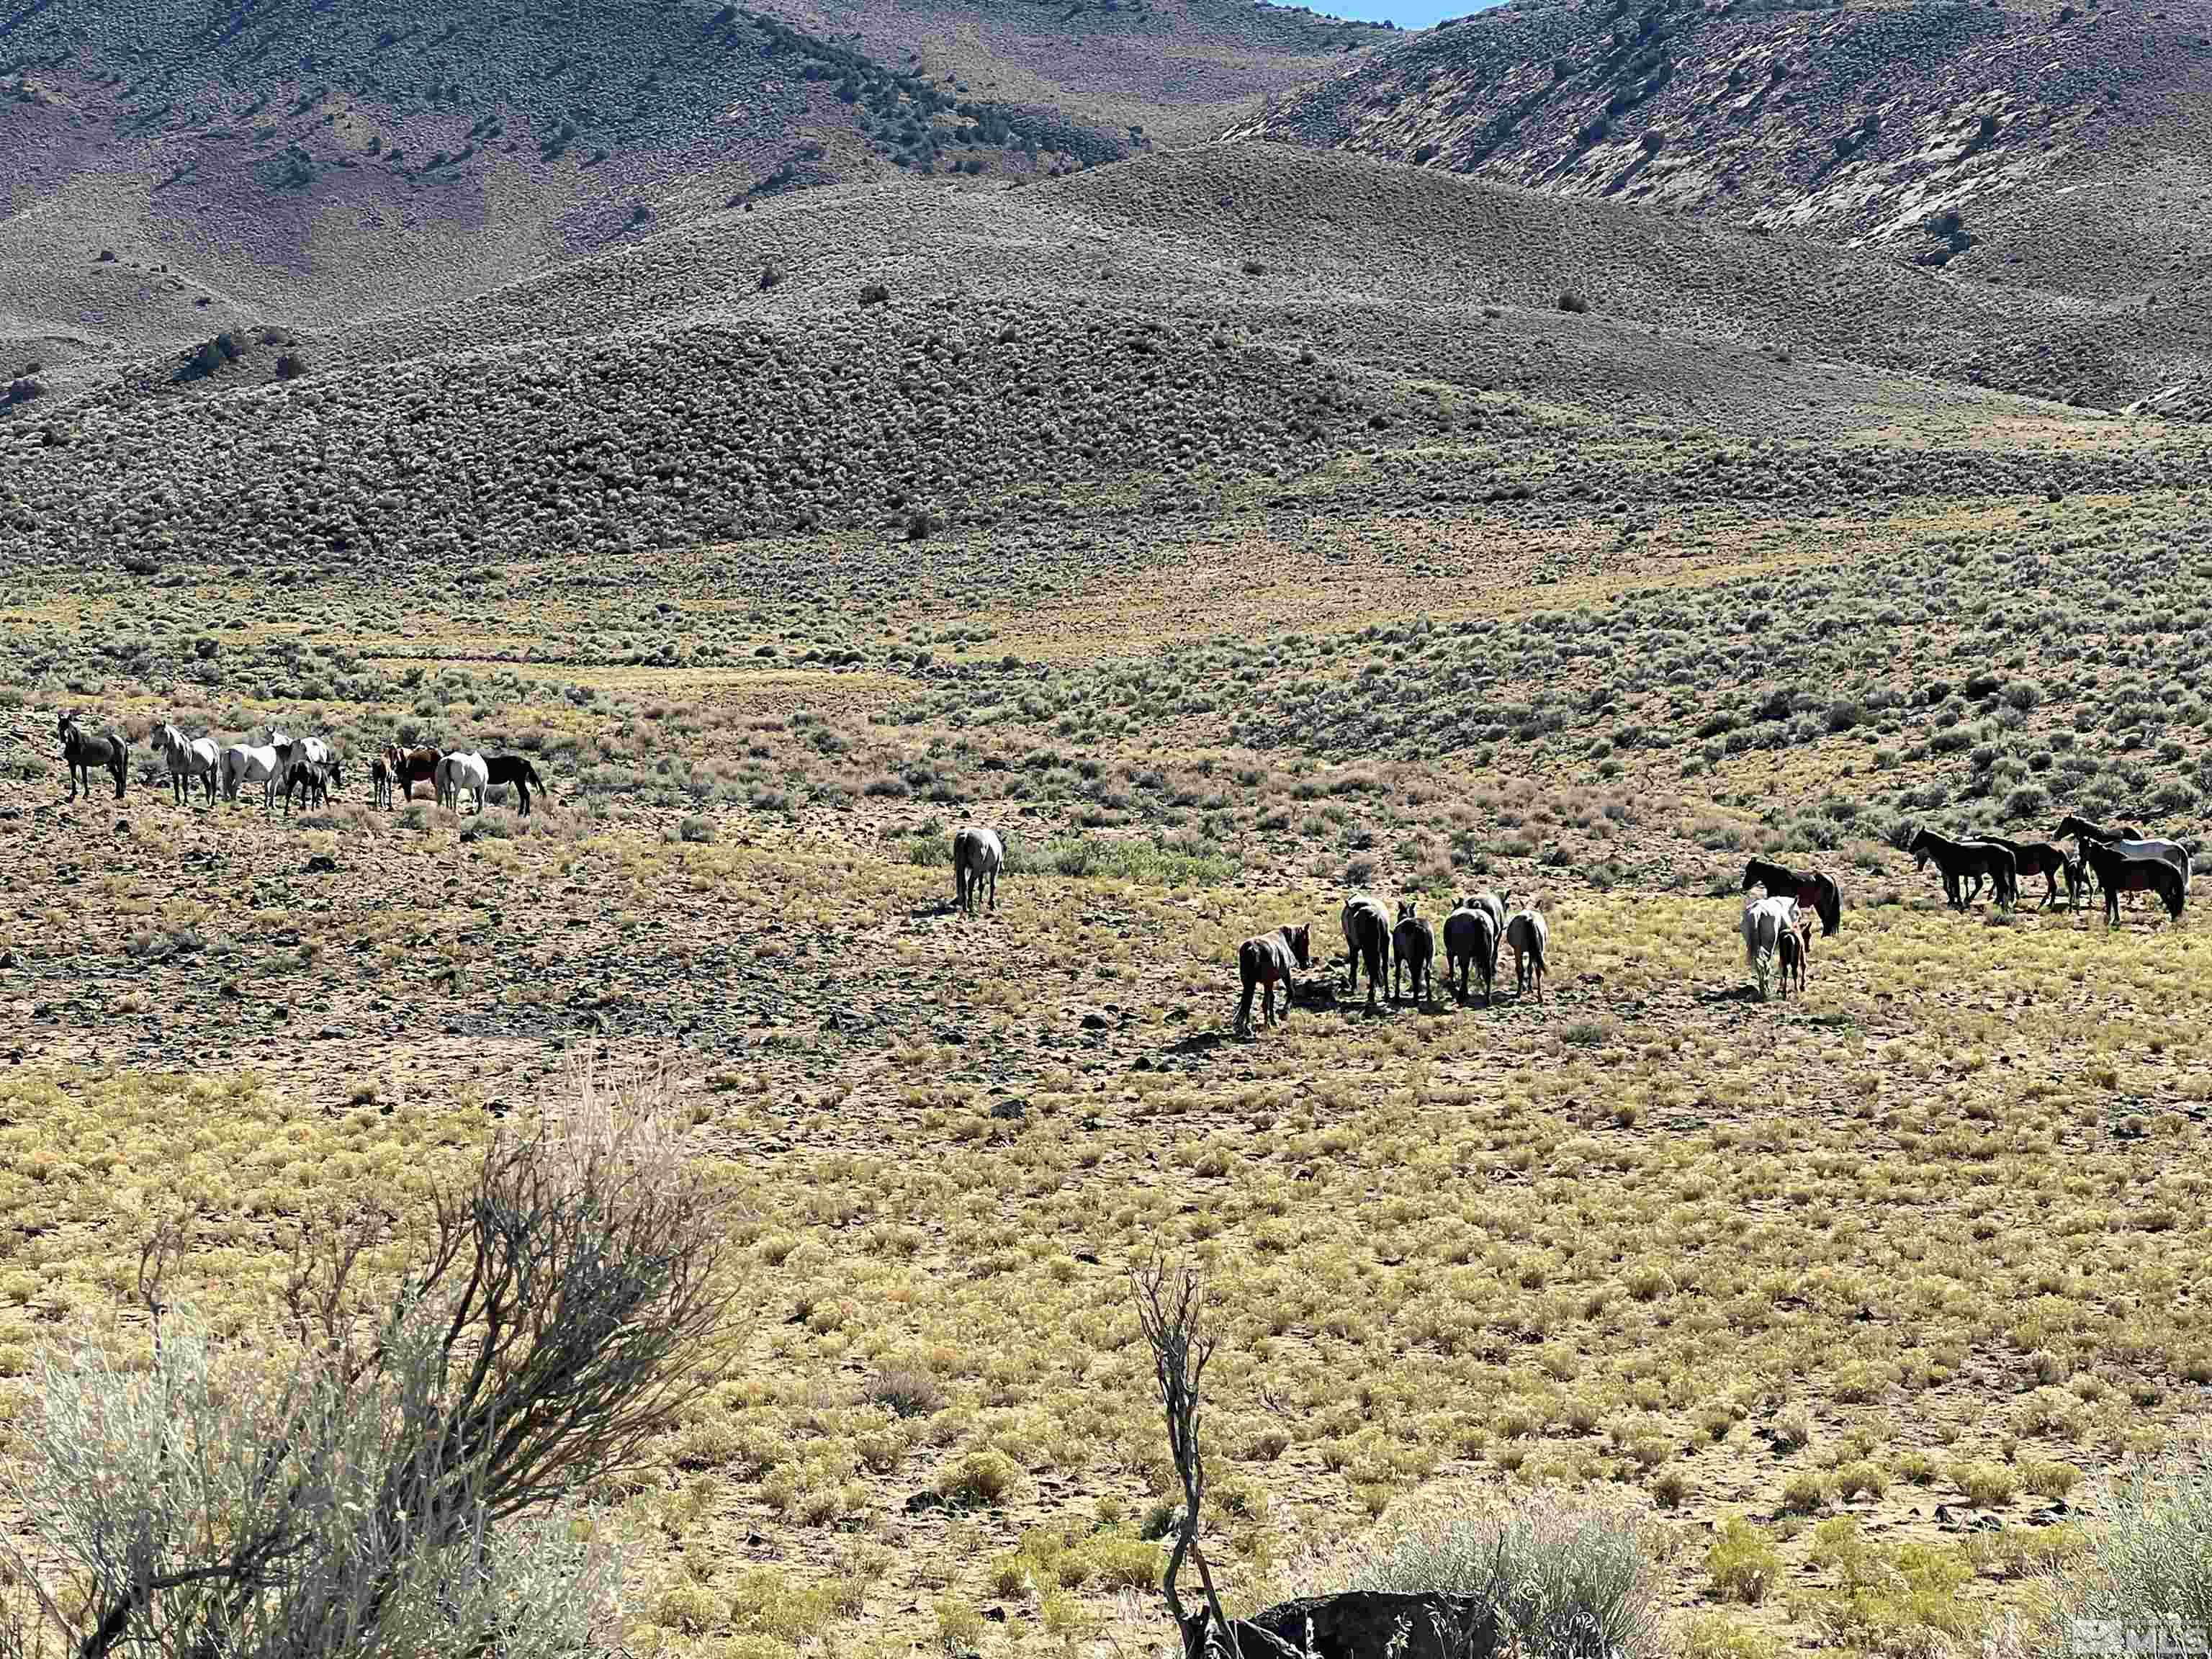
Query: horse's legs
[1244,1010]
[994,890]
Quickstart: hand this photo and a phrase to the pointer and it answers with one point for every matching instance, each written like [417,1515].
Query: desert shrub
[978,1481]
[905,1392]
[1742,1562]
[398,1476]
[2147,1573]
[1573,302]
[1565,1575]
[291,365]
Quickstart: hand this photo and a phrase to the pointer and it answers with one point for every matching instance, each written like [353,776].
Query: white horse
[246,762]
[977,857]
[462,770]
[1530,937]
[1764,922]
[188,758]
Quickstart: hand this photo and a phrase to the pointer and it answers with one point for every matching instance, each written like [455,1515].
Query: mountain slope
[167,173]
[2062,148]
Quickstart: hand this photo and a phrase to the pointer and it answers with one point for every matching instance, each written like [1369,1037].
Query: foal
[1793,945]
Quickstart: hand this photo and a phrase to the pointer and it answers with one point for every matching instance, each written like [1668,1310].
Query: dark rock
[322,863]
[924,1501]
[996,1615]
[1011,1111]
[1370,1624]
[1094,1022]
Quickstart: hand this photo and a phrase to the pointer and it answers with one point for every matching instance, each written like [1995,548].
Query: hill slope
[2049,146]
[166,175]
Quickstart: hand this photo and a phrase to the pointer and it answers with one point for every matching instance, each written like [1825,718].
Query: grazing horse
[1530,938]
[977,856]
[1366,938]
[1414,948]
[245,763]
[2038,858]
[1765,922]
[2119,872]
[1793,947]
[516,771]
[1262,962]
[412,766]
[1471,936]
[1814,889]
[107,751]
[1974,859]
[188,758]
[379,779]
[461,769]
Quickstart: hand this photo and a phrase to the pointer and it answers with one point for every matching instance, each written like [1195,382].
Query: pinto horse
[2119,872]
[1969,859]
[1766,923]
[1264,961]
[1366,938]
[1815,889]
[516,771]
[107,751]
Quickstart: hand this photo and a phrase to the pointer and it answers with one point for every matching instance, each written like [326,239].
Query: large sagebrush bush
[399,1470]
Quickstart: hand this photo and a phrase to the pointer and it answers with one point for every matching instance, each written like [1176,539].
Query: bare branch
[1170,1311]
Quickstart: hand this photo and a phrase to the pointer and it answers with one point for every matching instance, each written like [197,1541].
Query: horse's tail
[962,842]
[1831,906]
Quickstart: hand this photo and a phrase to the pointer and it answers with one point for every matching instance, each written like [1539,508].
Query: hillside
[1225,323]
[2058,147]
[164,175]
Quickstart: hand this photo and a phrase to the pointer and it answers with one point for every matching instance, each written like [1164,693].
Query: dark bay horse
[1263,962]
[1366,938]
[107,751]
[2038,858]
[2120,872]
[517,772]
[412,766]
[1471,943]
[1414,948]
[380,778]
[1963,859]
[1814,890]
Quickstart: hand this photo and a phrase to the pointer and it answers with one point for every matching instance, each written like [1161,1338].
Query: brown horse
[1264,961]
[412,766]
[380,777]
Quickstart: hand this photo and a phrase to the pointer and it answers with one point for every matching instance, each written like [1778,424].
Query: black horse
[1974,859]
[2119,873]
[1412,951]
[1366,938]
[2086,835]
[1815,889]
[516,771]
[313,781]
[2045,859]
[107,751]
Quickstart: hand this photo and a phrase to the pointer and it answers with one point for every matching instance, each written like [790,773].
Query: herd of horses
[1777,927]
[2116,861]
[302,768]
